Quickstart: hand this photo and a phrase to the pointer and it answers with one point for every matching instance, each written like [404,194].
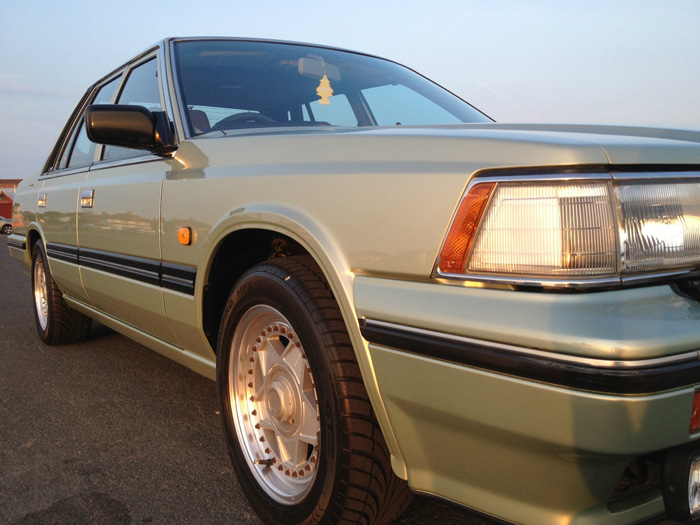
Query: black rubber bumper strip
[603,378]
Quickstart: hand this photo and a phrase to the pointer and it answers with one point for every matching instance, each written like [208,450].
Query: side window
[141,89]
[338,113]
[388,104]
[80,151]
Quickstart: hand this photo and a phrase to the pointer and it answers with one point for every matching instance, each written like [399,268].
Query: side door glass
[141,89]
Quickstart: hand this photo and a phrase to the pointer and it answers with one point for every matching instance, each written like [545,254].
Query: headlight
[681,483]
[590,229]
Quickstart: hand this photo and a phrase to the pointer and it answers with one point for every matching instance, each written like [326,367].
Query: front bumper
[541,431]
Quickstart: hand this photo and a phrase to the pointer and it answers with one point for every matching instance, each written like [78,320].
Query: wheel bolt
[252,360]
[254,413]
[262,439]
[294,474]
[250,385]
[257,426]
[252,398]
[267,451]
[250,371]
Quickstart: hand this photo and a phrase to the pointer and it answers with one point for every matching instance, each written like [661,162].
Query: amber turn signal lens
[184,236]
[459,239]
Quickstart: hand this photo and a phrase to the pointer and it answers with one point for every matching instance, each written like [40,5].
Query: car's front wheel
[6,229]
[299,426]
[56,322]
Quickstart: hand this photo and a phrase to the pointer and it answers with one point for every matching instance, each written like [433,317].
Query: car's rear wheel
[6,229]
[56,322]
[299,426]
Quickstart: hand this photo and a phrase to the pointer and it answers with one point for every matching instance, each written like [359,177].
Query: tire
[6,230]
[56,322]
[299,426]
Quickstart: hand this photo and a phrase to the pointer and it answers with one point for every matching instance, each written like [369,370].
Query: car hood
[622,144]
[468,147]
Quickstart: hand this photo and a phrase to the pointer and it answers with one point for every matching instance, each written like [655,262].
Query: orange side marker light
[184,236]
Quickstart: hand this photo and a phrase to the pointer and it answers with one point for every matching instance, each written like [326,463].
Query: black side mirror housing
[130,127]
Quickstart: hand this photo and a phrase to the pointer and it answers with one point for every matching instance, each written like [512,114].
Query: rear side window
[80,151]
[141,89]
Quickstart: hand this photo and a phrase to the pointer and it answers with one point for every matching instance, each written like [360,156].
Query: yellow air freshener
[325,91]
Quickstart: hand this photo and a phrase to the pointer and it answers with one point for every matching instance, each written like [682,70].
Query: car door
[57,195]
[119,222]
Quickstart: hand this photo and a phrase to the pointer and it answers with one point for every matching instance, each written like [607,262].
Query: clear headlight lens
[660,225]
[694,489]
[547,230]
[574,229]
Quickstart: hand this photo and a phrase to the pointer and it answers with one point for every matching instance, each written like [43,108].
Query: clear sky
[634,62]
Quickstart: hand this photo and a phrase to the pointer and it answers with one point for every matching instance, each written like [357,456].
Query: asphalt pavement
[109,432]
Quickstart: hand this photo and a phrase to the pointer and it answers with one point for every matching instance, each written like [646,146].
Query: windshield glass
[230,84]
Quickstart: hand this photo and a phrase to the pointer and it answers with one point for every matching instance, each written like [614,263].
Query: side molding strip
[19,245]
[167,275]
[607,377]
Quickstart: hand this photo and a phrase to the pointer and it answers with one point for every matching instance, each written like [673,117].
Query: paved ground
[108,432]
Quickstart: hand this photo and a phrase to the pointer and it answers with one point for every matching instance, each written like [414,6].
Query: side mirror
[130,127]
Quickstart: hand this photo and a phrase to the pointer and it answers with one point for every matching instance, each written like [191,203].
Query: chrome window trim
[149,157]
[552,283]
[692,355]
[163,83]
[184,119]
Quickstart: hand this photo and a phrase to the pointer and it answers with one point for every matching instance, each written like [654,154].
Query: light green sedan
[393,293]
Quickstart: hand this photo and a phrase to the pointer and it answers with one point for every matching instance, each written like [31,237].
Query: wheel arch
[33,236]
[252,236]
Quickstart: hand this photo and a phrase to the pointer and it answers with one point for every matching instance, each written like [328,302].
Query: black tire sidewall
[263,286]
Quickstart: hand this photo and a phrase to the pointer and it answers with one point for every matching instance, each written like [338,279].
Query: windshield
[230,84]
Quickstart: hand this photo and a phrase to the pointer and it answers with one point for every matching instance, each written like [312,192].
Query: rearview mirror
[314,68]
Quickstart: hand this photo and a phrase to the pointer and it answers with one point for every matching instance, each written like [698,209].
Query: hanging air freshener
[325,91]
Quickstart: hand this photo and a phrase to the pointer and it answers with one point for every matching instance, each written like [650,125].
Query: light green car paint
[372,207]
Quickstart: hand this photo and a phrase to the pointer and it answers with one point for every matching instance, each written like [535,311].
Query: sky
[629,62]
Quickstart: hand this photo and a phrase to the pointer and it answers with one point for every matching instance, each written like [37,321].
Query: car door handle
[87,198]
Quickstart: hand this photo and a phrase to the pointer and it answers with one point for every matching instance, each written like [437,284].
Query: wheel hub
[280,401]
